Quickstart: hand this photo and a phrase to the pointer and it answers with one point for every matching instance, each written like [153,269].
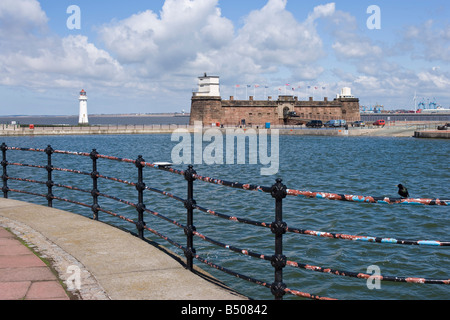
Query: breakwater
[398,130]
[17,130]
[432,134]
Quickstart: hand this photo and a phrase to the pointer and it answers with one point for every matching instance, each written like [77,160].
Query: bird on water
[402,191]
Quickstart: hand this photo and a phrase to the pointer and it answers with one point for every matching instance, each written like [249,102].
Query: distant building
[83,118]
[208,107]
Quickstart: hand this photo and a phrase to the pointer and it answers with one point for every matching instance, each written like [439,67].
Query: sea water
[345,165]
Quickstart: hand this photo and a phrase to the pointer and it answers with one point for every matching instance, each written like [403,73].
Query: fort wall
[211,110]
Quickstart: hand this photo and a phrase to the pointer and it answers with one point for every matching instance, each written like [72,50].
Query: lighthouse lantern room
[83,119]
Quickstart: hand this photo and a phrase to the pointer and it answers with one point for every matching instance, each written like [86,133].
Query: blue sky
[145,56]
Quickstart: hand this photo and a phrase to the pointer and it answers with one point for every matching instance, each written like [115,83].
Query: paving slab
[126,267]
[23,275]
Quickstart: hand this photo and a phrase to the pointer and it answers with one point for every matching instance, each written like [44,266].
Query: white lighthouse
[83,119]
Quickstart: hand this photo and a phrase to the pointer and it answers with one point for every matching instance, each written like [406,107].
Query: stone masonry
[212,110]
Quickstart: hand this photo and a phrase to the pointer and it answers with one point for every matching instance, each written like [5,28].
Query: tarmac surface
[50,254]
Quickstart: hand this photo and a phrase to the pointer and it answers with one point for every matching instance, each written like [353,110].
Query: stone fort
[208,107]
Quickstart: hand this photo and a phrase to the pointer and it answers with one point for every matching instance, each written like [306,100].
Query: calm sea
[349,165]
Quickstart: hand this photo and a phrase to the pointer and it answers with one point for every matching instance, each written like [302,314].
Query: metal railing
[278,192]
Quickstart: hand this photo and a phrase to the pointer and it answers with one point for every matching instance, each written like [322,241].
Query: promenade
[99,262]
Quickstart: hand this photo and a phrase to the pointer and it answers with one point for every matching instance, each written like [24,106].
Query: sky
[146,56]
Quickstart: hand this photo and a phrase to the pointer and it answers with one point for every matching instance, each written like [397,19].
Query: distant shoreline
[101,115]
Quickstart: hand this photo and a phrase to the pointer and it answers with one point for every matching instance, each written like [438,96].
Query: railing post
[5,188]
[140,187]
[49,151]
[94,175]
[279,228]
[190,228]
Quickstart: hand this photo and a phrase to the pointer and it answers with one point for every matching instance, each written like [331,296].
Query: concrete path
[94,259]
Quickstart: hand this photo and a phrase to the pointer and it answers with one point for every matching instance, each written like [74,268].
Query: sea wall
[89,130]
[388,131]
[433,134]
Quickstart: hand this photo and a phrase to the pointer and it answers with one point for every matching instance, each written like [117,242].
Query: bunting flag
[256,85]
[309,87]
[238,85]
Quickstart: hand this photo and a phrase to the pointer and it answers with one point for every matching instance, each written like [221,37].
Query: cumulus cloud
[320,11]
[350,42]
[188,36]
[21,17]
[283,41]
[438,79]
[432,43]
[149,50]
[31,57]
[181,35]
[185,38]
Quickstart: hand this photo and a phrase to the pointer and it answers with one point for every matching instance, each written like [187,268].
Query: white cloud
[32,57]
[429,41]
[150,54]
[320,11]
[186,38]
[21,17]
[189,37]
[183,33]
[349,41]
[439,80]
[284,41]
